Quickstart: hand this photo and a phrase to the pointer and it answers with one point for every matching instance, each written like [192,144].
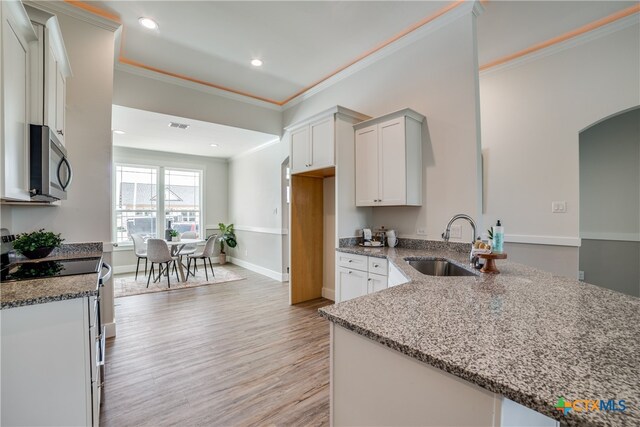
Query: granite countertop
[37,291]
[526,334]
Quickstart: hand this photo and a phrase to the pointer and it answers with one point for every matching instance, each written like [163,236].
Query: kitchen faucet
[445,236]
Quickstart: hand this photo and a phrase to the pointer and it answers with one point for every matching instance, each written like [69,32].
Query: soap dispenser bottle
[498,237]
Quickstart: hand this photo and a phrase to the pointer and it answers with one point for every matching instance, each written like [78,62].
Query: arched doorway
[610,202]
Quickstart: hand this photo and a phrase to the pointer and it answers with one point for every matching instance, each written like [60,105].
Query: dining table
[176,247]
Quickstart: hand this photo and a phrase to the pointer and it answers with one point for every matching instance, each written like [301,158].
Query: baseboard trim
[329,294]
[110,329]
[258,269]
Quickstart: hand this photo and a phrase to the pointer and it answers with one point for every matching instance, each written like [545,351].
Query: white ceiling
[150,131]
[302,42]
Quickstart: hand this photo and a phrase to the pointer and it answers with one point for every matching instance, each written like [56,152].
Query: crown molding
[586,37]
[119,66]
[75,12]
[428,28]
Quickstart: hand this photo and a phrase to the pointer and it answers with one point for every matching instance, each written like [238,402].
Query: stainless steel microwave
[50,170]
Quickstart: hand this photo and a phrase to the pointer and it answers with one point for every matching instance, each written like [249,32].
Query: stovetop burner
[39,269]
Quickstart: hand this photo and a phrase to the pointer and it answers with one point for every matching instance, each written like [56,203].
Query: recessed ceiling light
[148,23]
[256,63]
[213,145]
[119,132]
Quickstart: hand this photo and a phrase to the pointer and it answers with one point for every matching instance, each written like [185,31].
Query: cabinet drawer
[356,262]
[378,265]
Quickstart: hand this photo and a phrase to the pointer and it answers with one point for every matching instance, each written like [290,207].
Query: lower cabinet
[50,364]
[359,275]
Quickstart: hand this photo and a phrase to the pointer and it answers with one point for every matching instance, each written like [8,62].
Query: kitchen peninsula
[462,350]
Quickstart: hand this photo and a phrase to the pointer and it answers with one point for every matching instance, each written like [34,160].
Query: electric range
[43,269]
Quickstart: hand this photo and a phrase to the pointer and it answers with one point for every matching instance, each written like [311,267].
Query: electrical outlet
[421,231]
[581,275]
[456,232]
[559,207]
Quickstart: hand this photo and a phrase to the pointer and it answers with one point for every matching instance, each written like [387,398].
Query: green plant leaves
[37,239]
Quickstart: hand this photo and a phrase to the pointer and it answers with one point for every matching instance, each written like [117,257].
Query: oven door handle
[107,275]
[66,162]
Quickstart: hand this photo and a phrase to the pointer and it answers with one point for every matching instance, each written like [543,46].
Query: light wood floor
[234,354]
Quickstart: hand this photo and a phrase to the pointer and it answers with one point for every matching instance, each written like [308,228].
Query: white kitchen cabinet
[313,140]
[313,146]
[353,284]
[389,160]
[50,373]
[51,69]
[358,275]
[300,152]
[376,282]
[16,43]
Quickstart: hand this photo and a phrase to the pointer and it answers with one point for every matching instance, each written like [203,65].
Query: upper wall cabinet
[313,140]
[17,41]
[389,160]
[51,69]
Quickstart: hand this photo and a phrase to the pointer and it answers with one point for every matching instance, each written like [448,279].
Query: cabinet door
[367,166]
[377,282]
[351,284]
[300,154]
[322,144]
[392,161]
[50,90]
[60,103]
[15,143]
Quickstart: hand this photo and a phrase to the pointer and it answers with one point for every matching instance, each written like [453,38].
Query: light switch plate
[559,207]
[456,231]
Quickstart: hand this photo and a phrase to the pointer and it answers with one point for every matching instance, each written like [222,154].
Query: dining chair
[158,253]
[190,248]
[205,255]
[140,249]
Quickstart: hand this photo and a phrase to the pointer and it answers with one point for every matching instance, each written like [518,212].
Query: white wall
[532,113]
[85,215]
[149,94]
[255,207]
[436,76]
[215,185]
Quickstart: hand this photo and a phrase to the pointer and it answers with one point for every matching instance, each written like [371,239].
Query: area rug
[125,285]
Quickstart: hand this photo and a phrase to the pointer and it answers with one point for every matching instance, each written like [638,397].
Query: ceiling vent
[178,125]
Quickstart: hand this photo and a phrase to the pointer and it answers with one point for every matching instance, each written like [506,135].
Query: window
[136,203]
[182,200]
[141,208]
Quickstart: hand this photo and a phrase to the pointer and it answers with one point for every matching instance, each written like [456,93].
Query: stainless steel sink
[439,267]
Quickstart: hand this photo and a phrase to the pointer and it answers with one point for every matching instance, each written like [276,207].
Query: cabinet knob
[375,266]
[350,271]
[60,132]
[369,279]
[350,260]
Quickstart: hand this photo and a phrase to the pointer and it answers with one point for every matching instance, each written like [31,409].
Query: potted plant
[228,237]
[174,236]
[37,244]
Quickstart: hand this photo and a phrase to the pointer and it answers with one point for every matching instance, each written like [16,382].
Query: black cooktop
[41,269]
